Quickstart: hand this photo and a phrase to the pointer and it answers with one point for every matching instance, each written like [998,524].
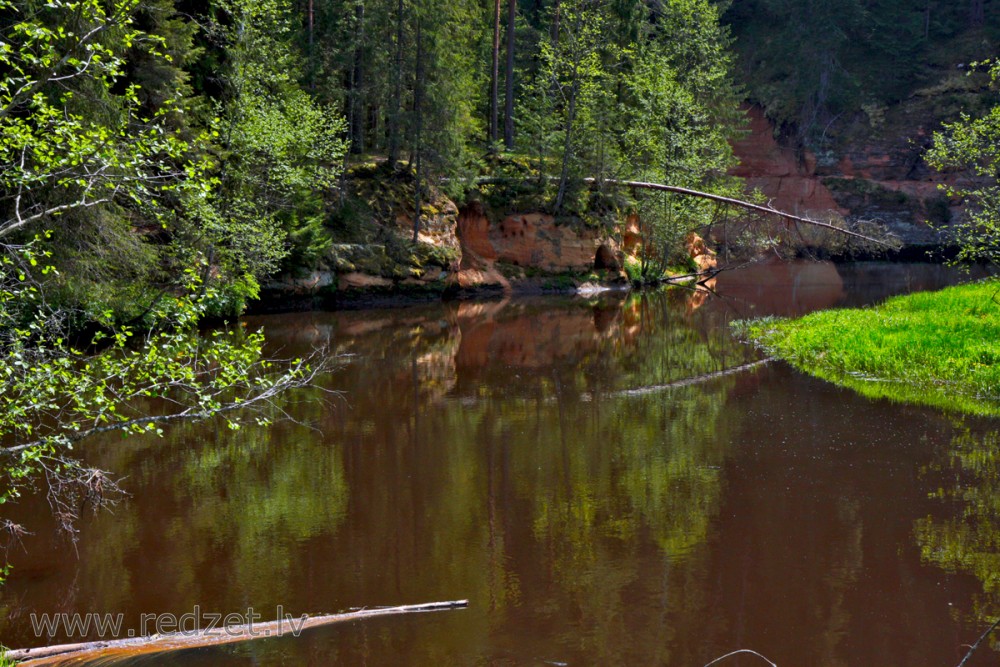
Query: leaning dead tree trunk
[766,210]
[66,654]
[739,203]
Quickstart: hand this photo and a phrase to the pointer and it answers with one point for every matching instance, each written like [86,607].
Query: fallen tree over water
[888,242]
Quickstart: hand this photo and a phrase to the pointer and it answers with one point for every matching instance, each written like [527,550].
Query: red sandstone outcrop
[875,174]
[527,240]
[787,179]
[534,240]
[703,256]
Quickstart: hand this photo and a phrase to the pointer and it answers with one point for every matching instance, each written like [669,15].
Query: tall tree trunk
[312,23]
[977,14]
[352,107]
[495,78]
[357,79]
[568,145]
[418,103]
[554,30]
[312,51]
[508,125]
[397,95]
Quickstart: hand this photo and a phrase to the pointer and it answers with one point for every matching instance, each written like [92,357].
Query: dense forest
[143,134]
[812,64]
[140,135]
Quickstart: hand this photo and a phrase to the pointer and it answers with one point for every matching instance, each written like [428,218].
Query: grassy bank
[934,348]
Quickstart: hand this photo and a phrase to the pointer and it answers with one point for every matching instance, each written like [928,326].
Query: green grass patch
[933,348]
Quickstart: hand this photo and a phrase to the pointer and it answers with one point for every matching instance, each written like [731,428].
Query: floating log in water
[110,650]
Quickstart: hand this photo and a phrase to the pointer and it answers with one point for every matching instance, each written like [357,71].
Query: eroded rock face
[703,256]
[878,176]
[788,181]
[361,281]
[536,240]
[528,240]
[473,233]
[438,222]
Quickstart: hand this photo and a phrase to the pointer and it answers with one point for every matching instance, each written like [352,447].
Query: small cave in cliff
[606,258]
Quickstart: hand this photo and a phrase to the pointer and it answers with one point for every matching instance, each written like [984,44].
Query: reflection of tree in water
[625,526]
[483,458]
[620,491]
[969,540]
[228,521]
[542,494]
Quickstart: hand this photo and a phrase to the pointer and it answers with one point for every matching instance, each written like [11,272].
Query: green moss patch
[933,348]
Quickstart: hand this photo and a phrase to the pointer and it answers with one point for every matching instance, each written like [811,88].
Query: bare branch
[699,379]
[13,225]
[768,210]
[979,641]
[299,375]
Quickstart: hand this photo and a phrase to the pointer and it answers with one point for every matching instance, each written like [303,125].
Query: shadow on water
[485,451]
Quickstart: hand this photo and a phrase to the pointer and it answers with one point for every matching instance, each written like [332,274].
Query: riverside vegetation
[164,158]
[934,348]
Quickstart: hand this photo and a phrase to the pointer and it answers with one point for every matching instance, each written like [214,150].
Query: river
[499,452]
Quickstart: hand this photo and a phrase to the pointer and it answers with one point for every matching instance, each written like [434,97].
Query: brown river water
[493,451]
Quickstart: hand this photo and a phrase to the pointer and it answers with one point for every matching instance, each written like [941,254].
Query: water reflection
[962,534]
[485,451]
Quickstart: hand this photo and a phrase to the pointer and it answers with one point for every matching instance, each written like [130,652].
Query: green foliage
[967,541]
[76,134]
[277,147]
[657,105]
[973,145]
[54,392]
[309,243]
[935,348]
[104,134]
[634,271]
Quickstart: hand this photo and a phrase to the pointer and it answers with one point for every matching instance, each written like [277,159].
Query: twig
[979,641]
[742,650]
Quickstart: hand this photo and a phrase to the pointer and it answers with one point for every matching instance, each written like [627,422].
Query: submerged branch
[740,652]
[982,637]
[162,643]
[652,389]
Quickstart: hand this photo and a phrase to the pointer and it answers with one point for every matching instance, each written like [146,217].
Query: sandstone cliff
[869,167]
